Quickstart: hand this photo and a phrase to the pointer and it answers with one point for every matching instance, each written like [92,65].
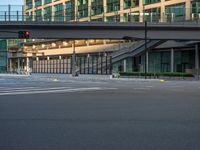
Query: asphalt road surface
[99,115]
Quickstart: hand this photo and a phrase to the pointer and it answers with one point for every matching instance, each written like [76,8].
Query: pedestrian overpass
[101,30]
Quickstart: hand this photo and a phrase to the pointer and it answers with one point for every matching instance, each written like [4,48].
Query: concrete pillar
[76,11]
[141,10]
[197,59]
[10,61]
[187,7]
[27,64]
[162,11]
[121,10]
[89,10]
[172,60]
[73,60]
[147,60]
[105,10]
[18,65]
[124,66]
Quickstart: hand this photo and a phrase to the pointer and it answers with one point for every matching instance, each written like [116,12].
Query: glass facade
[70,10]
[184,60]
[175,12]
[38,3]
[47,13]
[3,55]
[150,1]
[113,18]
[82,8]
[131,3]
[159,62]
[38,15]
[113,5]
[58,12]
[152,15]
[195,10]
[96,7]
[47,1]
[29,4]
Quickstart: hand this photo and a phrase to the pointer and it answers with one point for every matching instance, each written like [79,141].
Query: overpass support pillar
[124,66]
[10,65]
[18,65]
[27,65]
[172,60]
[147,61]
[197,60]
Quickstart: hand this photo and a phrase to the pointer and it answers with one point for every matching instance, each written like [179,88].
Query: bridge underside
[86,30]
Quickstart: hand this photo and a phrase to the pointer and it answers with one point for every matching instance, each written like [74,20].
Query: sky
[11,2]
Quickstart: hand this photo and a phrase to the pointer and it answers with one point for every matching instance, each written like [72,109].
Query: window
[130,3]
[146,2]
[38,15]
[96,7]
[38,3]
[175,12]
[113,5]
[70,10]
[29,4]
[195,10]
[47,1]
[152,15]
[82,8]
[58,10]
[113,18]
[47,13]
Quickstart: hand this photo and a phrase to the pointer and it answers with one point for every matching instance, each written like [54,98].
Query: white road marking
[141,88]
[56,91]
[31,89]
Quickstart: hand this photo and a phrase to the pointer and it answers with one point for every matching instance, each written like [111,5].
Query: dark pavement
[123,115]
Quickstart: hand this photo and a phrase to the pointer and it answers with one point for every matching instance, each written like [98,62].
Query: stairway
[135,49]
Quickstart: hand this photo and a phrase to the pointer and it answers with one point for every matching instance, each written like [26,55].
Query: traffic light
[23,35]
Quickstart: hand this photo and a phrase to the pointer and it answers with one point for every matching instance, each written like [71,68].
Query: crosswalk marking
[39,90]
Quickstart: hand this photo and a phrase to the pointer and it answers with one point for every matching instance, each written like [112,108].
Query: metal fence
[84,65]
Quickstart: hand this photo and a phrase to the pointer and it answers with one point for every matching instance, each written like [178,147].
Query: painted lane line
[57,91]
[12,88]
[33,89]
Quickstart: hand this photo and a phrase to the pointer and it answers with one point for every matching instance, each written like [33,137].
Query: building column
[10,61]
[187,7]
[124,65]
[147,61]
[89,11]
[105,10]
[172,60]
[76,10]
[27,65]
[141,11]
[197,59]
[121,10]
[162,15]
[18,65]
